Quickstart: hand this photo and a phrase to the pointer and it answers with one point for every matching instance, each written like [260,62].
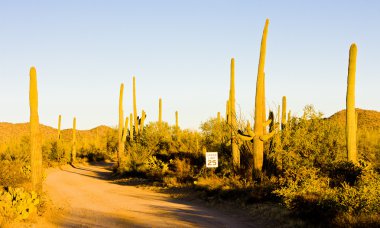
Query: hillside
[14,133]
[367,119]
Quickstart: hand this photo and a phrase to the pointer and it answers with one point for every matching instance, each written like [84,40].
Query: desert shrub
[93,154]
[17,204]
[155,167]
[56,152]
[14,173]
[341,172]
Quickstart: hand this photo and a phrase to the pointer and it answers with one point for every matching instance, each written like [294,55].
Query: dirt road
[84,197]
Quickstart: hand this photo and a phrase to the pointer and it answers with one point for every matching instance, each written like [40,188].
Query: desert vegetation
[326,170]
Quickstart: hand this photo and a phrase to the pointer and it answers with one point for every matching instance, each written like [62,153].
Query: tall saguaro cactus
[125,131]
[351,123]
[260,137]
[136,123]
[232,114]
[131,127]
[59,127]
[74,142]
[283,114]
[35,137]
[120,151]
[160,111]
[142,120]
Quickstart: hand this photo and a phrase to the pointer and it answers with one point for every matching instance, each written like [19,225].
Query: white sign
[211,159]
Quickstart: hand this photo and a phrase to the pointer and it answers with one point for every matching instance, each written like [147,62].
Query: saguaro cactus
[351,123]
[120,151]
[160,111]
[125,131]
[142,120]
[233,124]
[258,144]
[74,142]
[35,137]
[218,118]
[136,123]
[283,114]
[59,127]
[131,127]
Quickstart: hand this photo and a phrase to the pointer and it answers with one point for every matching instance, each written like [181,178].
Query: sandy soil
[84,197]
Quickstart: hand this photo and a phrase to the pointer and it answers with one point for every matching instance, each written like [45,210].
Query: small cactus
[351,122]
[160,111]
[35,137]
[131,127]
[283,116]
[59,127]
[142,120]
[125,131]
[135,107]
[74,142]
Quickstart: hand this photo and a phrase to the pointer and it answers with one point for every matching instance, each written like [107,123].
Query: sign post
[211,159]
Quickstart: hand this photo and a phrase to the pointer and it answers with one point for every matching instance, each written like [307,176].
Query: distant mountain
[367,119]
[14,133]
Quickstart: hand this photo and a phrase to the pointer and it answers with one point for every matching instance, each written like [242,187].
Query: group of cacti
[136,123]
[258,134]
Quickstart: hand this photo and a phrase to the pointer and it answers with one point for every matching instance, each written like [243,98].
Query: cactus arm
[266,123]
[267,136]
[244,136]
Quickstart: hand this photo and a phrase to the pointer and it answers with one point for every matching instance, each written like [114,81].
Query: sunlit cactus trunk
[228,119]
[125,131]
[283,113]
[74,142]
[120,151]
[135,120]
[232,114]
[264,107]
[160,112]
[218,118]
[351,122]
[258,144]
[35,137]
[59,127]
[131,127]
[142,120]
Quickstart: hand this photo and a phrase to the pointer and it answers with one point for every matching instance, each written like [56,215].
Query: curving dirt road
[84,197]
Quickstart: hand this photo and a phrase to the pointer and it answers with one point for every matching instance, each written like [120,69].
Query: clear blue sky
[180,51]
